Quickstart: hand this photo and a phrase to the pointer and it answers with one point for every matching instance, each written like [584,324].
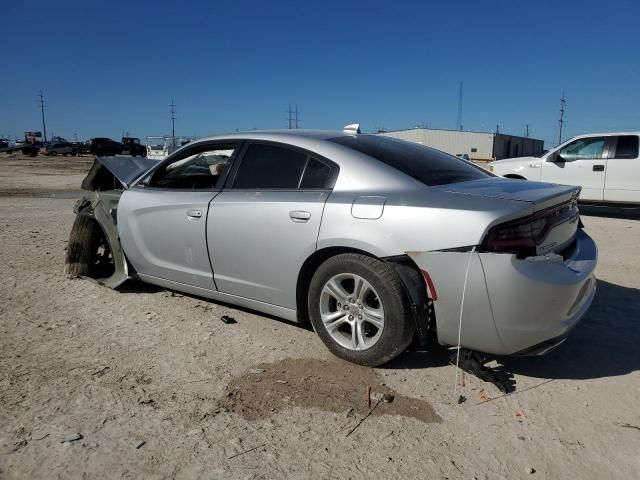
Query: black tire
[53,154]
[88,252]
[398,330]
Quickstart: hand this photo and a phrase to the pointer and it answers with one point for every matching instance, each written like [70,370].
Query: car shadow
[604,344]
[627,212]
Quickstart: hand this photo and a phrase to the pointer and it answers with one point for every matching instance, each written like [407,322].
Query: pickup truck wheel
[359,310]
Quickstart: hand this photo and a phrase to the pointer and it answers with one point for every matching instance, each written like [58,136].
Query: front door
[163,220]
[263,228]
[582,162]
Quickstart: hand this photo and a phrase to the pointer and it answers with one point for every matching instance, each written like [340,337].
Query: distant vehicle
[605,165]
[60,148]
[4,143]
[160,147]
[131,146]
[104,147]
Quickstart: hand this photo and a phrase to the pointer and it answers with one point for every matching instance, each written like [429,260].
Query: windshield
[427,165]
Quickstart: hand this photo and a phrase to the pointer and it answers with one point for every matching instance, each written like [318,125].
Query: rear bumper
[511,306]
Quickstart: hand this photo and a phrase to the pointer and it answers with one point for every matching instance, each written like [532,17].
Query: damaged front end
[94,249]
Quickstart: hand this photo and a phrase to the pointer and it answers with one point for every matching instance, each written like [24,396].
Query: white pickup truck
[605,165]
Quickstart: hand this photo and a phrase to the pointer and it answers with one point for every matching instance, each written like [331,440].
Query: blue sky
[109,66]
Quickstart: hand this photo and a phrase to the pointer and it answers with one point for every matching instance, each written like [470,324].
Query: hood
[114,173]
[539,194]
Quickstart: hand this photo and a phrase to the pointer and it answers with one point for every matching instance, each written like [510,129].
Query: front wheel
[359,310]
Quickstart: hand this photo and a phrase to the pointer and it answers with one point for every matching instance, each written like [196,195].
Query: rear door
[162,220]
[265,225]
[582,162]
[623,171]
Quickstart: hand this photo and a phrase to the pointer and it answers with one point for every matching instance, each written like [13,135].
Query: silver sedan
[373,240]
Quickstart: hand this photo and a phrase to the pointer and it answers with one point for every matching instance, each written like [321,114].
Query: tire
[381,298]
[88,252]
[53,154]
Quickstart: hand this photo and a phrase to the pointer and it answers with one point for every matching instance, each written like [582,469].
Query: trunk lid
[551,222]
[539,194]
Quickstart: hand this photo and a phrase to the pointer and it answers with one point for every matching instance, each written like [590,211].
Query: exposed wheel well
[513,175]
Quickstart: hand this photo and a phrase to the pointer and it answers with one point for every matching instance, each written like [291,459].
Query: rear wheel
[359,309]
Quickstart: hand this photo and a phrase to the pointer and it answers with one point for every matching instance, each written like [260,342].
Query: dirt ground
[143,382]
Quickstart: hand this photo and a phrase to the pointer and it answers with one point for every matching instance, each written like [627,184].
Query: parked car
[101,146]
[372,239]
[4,143]
[605,165]
[60,148]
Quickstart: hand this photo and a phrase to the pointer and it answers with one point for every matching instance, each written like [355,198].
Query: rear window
[627,147]
[427,165]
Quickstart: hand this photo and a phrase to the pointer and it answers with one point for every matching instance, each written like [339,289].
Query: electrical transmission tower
[459,118]
[294,121]
[563,103]
[526,130]
[172,113]
[44,126]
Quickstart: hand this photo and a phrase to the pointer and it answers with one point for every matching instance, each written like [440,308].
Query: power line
[44,126]
[563,103]
[294,120]
[459,118]
[172,112]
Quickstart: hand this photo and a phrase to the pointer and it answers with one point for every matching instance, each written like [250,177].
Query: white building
[478,145]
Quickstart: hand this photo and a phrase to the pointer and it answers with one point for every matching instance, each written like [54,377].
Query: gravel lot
[142,382]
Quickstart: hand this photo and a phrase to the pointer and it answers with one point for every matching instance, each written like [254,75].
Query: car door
[581,162]
[622,183]
[265,225]
[162,220]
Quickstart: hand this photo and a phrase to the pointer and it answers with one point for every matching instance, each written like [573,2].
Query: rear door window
[627,146]
[270,166]
[427,165]
[316,175]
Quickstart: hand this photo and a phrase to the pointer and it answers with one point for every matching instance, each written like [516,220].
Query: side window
[195,171]
[270,166]
[627,146]
[316,175]
[584,149]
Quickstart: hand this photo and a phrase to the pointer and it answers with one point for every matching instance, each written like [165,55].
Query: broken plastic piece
[227,319]
[471,362]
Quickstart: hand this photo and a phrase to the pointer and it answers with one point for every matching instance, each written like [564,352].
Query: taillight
[523,236]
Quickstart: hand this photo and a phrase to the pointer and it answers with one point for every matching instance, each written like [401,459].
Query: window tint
[195,171]
[584,149]
[627,147]
[427,165]
[316,175]
[270,166]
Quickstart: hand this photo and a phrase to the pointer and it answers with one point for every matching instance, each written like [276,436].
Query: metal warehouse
[478,145]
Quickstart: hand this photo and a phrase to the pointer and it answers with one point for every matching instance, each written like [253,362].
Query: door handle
[194,213]
[598,168]
[299,216]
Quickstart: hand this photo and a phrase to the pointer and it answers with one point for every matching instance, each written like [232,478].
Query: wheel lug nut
[339,304]
[359,317]
[359,306]
[346,307]
[350,317]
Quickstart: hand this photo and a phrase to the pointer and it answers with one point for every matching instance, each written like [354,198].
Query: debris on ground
[227,319]
[461,399]
[531,470]
[140,444]
[72,438]
[628,425]
[246,451]
[256,371]
[473,363]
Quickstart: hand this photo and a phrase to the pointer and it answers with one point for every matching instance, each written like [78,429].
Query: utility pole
[297,119]
[459,118]
[289,116]
[526,127]
[44,126]
[294,120]
[497,128]
[563,103]
[172,112]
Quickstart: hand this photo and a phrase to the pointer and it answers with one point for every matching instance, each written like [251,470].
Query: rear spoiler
[116,173]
